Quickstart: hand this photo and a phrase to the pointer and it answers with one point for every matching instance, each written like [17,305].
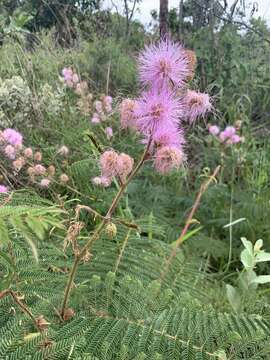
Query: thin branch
[121,252]
[181,238]
[18,301]
[235,22]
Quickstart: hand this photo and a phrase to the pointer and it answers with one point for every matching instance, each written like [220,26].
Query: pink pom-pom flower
[13,137]
[102,181]
[127,113]
[168,158]
[3,189]
[10,152]
[214,130]
[164,64]
[124,166]
[95,118]
[45,183]
[197,105]
[109,163]
[156,110]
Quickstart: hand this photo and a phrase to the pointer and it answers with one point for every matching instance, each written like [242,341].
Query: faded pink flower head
[197,104]
[63,151]
[64,178]
[45,183]
[156,110]
[98,106]
[107,102]
[69,83]
[127,113]
[13,137]
[102,181]
[75,79]
[28,153]
[38,156]
[3,189]
[107,99]
[171,136]
[229,131]
[108,108]
[214,130]
[168,158]
[222,136]
[125,165]
[39,169]
[95,119]
[31,172]
[10,152]
[163,64]
[67,74]
[109,132]
[109,163]
[236,139]
[18,163]
[81,88]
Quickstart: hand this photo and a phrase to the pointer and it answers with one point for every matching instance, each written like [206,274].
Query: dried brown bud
[42,323]
[38,156]
[64,178]
[68,314]
[51,170]
[192,62]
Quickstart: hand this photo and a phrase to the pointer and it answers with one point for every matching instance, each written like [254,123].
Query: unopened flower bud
[45,183]
[64,178]
[63,151]
[31,172]
[42,323]
[28,153]
[18,164]
[111,230]
[38,156]
[51,170]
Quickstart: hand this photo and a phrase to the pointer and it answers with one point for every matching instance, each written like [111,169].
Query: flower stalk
[96,235]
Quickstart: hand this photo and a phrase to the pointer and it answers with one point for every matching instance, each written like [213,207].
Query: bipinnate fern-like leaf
[122,309]
[31,219]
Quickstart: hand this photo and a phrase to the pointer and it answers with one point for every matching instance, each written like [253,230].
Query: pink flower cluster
[103,107]
[113,165]
[11,142]
[228,136]
[164,71]
[3,189]
[71,78]
[21,159]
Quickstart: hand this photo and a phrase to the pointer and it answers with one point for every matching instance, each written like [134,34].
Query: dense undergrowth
[122,304]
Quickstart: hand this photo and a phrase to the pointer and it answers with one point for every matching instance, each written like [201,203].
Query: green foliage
[32,221]
[248,279]
[122,310]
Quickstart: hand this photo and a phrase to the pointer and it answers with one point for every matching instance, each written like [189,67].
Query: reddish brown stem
[181,238]
[100,228]
[17,300]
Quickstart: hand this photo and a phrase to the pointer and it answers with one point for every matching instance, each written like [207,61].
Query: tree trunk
[163,18]
[181,21]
